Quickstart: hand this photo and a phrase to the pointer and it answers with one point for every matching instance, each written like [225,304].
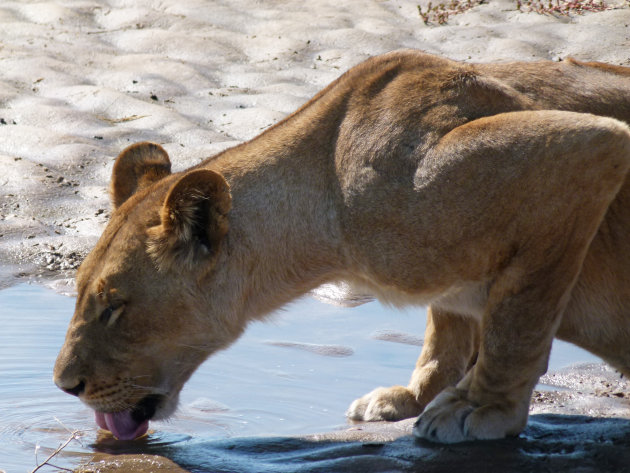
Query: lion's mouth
[132,423]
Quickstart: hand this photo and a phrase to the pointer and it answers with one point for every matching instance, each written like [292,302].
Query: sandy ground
[82,79]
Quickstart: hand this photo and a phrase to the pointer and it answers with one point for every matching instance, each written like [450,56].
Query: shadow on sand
[551,442]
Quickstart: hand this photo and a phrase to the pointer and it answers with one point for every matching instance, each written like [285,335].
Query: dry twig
[75,435]
[121,120]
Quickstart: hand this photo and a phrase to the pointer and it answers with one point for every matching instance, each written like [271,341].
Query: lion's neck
[284,236]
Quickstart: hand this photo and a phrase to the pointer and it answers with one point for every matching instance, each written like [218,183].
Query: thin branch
[137,26]
[113,121]
[73,436]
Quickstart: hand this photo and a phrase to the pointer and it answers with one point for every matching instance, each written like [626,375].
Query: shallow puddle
[295,374]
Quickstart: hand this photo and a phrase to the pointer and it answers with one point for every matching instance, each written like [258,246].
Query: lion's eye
[110,314]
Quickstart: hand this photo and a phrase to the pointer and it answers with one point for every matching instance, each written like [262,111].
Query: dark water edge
[579,424]
[551,443]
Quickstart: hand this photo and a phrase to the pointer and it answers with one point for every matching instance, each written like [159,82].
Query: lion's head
[141,324]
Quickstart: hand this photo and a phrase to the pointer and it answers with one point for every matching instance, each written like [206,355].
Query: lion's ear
[193,220]
[136,167]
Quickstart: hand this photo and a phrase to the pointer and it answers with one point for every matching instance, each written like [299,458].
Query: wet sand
[79,81]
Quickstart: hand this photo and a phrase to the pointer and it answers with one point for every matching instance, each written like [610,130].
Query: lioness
[496,193]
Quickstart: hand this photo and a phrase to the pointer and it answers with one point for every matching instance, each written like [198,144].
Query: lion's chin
[132,423]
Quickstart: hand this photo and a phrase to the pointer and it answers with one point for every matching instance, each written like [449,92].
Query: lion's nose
[76,390]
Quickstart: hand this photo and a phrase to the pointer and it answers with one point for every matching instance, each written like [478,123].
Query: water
[296,374]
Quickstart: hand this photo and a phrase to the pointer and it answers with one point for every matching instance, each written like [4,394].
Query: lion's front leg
[449,349]
[568,172]
[492,400]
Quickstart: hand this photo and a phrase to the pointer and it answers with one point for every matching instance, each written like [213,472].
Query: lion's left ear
[193,220]
[136,167]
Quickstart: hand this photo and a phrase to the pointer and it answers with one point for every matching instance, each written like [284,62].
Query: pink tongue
[121,425]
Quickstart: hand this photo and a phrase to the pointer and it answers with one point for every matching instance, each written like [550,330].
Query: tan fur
[138,167]
[497,193]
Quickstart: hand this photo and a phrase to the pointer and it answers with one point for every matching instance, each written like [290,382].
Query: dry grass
[565,7]
[441,12]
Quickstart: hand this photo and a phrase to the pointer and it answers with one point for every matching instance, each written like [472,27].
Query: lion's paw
[394,403]
[452,418]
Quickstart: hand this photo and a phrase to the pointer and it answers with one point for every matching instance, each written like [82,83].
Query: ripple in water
[324,350]
[397,337]
[153,442]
